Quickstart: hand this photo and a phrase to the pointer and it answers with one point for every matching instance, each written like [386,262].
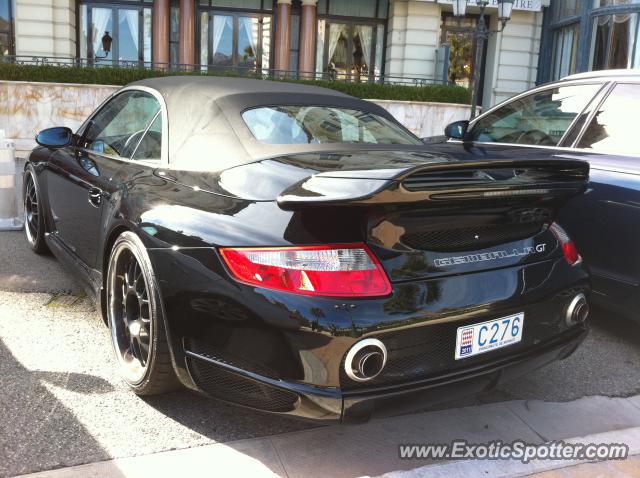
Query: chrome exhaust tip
[578,310]
[365,360]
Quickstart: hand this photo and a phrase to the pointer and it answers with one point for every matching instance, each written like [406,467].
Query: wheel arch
[175,346]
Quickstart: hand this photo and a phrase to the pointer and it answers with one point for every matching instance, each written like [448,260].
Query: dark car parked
[296,250]
[592,117]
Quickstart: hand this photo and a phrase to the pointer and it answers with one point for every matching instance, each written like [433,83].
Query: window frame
[351,22]
[593,27]
[610,88]
[443,37]
[234,13]
[585,16]
[139,5]
[534,91]
[10,31]
[164,148]
[559,33]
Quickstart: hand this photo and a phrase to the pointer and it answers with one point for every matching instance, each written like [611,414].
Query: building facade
[353,40]
[586,35]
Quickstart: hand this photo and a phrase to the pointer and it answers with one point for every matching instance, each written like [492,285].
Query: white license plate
[491,335]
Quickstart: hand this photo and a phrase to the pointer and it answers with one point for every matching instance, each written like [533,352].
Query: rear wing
[440,182]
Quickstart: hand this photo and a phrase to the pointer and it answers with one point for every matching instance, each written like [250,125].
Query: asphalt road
[62,403]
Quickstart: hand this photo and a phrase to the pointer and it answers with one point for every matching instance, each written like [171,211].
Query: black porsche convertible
[296,250]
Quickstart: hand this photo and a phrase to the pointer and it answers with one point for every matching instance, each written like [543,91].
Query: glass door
[338,51]
[128,40]
[458,33]
[100,22]
[234,42]
[349,51]
[362,43]
[247,49]
[129,29]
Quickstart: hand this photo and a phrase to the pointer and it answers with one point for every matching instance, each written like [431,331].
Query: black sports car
[297,250]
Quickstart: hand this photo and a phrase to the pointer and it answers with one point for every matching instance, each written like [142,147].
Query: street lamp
[482,34]
[504,11]
[106,46]
[459,8]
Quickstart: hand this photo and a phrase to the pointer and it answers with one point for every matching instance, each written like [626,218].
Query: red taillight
[571,252]
[569,249]
[332,271]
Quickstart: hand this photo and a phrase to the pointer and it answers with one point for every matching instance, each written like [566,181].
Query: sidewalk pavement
[371,449]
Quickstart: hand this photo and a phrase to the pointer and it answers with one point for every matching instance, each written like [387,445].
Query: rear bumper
[285,353]
[333,405]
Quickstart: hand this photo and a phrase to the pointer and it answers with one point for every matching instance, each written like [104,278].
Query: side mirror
[55,137]
[456,130]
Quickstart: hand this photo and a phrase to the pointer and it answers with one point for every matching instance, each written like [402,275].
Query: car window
[322,124]
[541,118]
[613,129]
[150,146]
[581,120]
[118,127]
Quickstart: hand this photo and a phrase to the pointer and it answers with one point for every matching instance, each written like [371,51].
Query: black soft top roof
[217,87]
[205,118]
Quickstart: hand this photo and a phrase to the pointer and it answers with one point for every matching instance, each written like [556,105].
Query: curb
[513,468]
[372,449]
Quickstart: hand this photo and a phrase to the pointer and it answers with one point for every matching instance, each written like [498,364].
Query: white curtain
[636,59]
[366,34]
[266,41]
[251,33]
[335,30]
[219,23]
[100,19]
[621,17]
[320,46]
[146,34]
[131,17]
[567,47]
[204,40]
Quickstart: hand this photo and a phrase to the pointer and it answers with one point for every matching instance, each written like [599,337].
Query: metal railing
[212,70]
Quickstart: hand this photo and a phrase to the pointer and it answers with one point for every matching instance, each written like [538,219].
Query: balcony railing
[249,72]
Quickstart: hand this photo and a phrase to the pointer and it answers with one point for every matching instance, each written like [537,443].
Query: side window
[150,145]
[540,118]
[119,126]
[613,129]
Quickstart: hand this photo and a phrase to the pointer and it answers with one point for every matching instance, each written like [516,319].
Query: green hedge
[122,76]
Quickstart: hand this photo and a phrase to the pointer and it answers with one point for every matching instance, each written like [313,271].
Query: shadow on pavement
[56,428]
[222,422]
[25,271]
[624,328]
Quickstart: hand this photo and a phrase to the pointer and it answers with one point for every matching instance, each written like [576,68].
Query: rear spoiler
[431,183]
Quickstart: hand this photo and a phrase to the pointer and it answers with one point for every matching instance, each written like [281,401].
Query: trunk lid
[423,214]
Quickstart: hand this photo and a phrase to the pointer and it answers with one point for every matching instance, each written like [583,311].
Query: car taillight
[569,249]
[332,271]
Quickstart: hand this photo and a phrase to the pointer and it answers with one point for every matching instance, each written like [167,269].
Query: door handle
[95,197]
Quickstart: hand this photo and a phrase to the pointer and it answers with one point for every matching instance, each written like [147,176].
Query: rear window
[321,125]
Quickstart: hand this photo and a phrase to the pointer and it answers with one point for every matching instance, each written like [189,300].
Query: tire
[135,320]
[33,216]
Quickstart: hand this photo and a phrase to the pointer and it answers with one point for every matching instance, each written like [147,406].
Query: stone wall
[425,119]
[26,108]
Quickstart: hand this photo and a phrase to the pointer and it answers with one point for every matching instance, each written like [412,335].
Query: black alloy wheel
[33,217]
[134,316]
